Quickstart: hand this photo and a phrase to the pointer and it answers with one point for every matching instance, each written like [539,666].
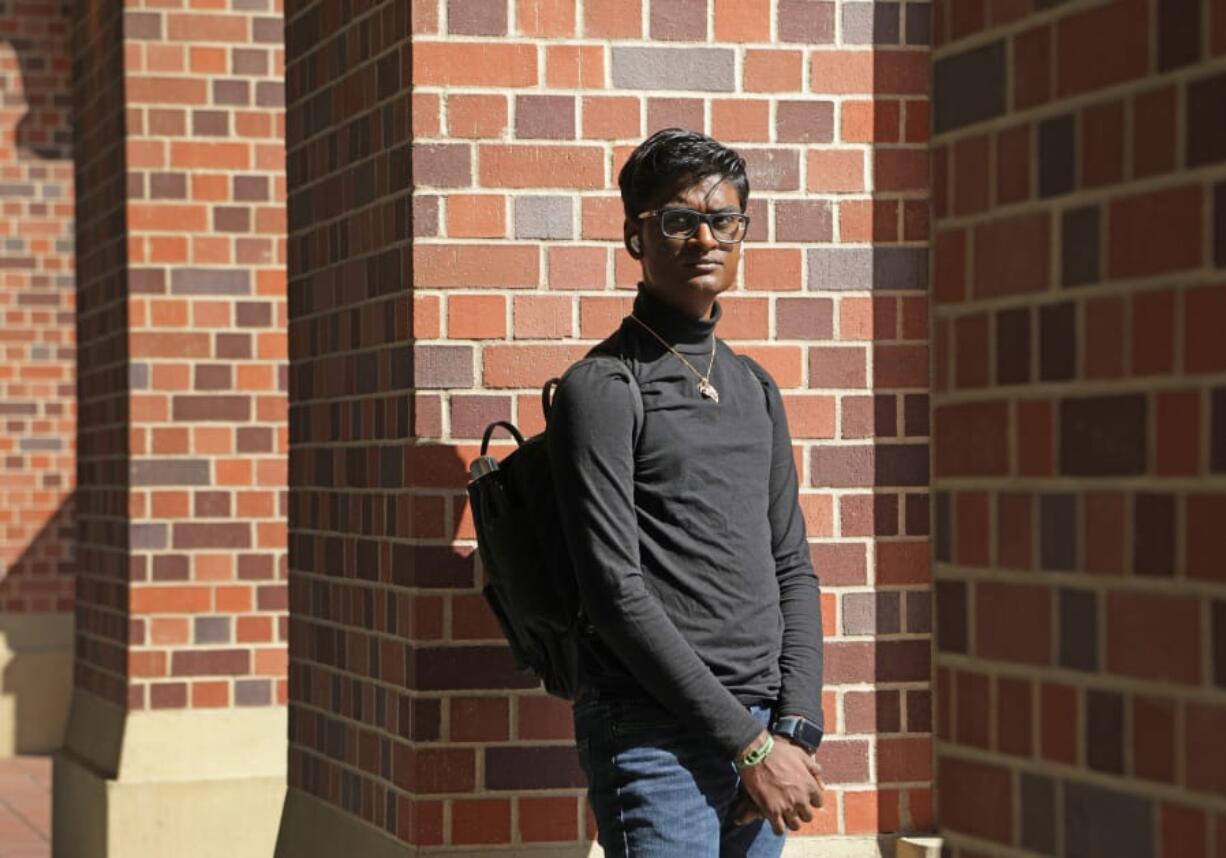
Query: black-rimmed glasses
[726,227]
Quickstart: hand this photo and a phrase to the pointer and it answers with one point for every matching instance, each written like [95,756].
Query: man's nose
[704,236]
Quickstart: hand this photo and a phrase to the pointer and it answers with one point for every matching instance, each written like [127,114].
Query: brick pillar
[37,392]
[176,738]
[1080,427]
[407,724]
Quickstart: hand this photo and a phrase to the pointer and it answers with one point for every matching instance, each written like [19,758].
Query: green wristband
[758,754]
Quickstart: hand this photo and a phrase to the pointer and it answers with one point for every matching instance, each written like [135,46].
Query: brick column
[407,724]
[176,739]
[37,391]
[1080,427]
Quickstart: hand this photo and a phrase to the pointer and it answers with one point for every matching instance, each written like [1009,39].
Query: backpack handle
[489,431]
[547,395]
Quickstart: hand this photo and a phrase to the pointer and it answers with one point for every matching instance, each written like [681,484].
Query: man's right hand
[784,786]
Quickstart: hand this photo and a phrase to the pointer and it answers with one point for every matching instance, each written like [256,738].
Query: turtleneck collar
[673,325]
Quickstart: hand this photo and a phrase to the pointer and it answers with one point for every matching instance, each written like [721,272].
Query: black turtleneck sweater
[685,529]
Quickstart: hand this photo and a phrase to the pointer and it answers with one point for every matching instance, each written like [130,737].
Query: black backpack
[531,585]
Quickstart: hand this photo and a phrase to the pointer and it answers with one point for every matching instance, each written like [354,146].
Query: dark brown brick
[915,411]
[233,345]
[211,376]
[973,709]
[187,409]
[209,281]
[805,122]
[548,767]
[443,165]
[811,220]
[1205,752]
[1179,33]
[1219,644]
[212,662]
[1013,716]
[232,92]
[902,661]
[251,188]
[1153,738]
[1206,121]
[470,667]
[168,186]
[1038,820]
[1217,429]
[210,123]
[212,535]
[900,465]
[772,169]
[679,20]
[253,314]
[171,567]
[1153,525]
[1079,630]
[477,17]
[1013,346]
[169,472]
[443,366]
[1080,246]
[805,318]
[916,515]
[976,798]
[211,504]
[674,113]
[1057,156]
[968,87]
[253,692]
[951,629]
[1103,436]
[1153,132]
[971,439]
[1103,822]
[1058,532]
[549,117]
[806,21]
[1058,341]
[1013,623]
[1219,224]
[255,439]
[246,61]
[842,466]
[942,528]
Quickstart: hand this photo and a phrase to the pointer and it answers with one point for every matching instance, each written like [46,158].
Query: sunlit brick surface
[502,260]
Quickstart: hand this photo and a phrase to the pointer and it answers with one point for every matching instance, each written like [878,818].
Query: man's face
[689,273]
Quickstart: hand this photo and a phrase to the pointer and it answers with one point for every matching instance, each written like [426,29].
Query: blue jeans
[658,790]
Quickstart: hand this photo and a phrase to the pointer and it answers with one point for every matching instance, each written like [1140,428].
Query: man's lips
[704,264]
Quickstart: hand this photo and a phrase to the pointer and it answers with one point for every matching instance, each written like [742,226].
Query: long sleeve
[591,445]
[800,660]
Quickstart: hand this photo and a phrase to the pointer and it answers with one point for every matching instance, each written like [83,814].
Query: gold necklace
[705,387]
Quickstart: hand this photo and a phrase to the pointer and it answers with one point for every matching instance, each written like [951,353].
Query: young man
[702,659]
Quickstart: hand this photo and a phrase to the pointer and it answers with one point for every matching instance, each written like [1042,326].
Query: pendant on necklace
[708,390]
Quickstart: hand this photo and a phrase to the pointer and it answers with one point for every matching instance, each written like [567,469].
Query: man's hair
[669,156]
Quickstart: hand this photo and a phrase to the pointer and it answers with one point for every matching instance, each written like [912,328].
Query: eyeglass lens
[682,223]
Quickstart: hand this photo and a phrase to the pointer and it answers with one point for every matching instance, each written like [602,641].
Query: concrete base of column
[188,783]
[35,682]
[311,828]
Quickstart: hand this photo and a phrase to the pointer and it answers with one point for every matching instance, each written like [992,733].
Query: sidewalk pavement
[25,807]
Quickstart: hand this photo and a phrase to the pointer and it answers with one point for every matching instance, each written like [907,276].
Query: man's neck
[699,309]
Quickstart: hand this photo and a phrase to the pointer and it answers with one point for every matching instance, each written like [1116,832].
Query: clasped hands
[783,789]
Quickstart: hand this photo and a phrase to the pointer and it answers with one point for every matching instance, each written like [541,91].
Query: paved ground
[25,807]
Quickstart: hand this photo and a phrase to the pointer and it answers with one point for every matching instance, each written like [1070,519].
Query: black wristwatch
[802,731]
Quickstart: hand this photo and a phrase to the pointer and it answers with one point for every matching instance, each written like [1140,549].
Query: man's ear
[634,242]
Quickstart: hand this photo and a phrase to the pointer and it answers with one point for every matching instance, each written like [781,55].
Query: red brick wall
[183,316]
[207,345]
[102,335]
[37,300]
[522,117]
[1080,426]
[404,710]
